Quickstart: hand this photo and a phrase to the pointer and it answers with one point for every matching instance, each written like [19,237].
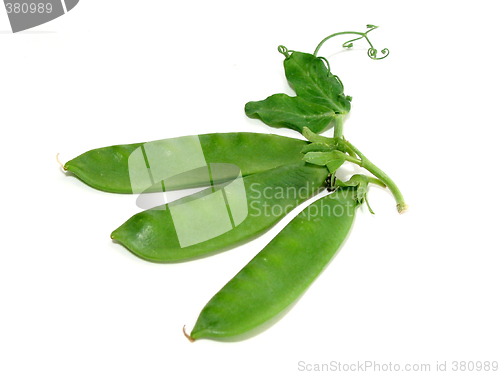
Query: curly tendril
[340,82]
[329,72]
[327,64]
[284,51]
[372,52]
[349,44]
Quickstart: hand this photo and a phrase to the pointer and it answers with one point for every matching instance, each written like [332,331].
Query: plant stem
[377,172]
[373,169]
[376,181]
[338,124]
[353,160]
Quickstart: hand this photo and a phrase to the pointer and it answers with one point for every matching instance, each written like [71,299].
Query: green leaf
[311,80]
[320,97]
[334,165]
[332,159]
[360,182]
[281,110]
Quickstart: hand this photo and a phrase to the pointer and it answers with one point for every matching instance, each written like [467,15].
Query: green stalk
[376,181]
[381,175]
[369,166]
[338,124]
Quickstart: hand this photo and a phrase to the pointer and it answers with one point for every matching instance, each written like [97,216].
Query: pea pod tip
[114,236]
[61,164]
[187,335]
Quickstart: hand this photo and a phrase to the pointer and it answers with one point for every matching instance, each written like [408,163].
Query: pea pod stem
[353,160]
[351,153]
[381,175]
[376,181]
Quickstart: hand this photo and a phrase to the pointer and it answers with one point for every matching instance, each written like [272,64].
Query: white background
[416,288]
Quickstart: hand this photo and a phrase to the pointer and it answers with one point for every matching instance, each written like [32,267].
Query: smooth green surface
[107,169]
[151,234]
[320,97]
[282,271]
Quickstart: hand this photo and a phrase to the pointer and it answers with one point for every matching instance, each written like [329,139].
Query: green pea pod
[107,168]
[282,271]
[154,235]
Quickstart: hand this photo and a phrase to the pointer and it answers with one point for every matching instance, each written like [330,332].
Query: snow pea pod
[107,168]
[269,196]
[282,271]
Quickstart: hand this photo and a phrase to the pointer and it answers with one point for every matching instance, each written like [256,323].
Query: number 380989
[28,8]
